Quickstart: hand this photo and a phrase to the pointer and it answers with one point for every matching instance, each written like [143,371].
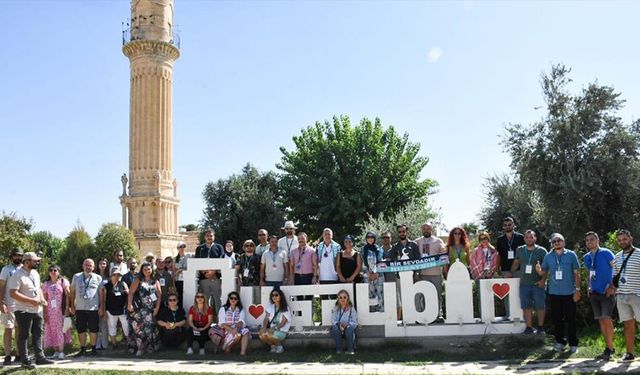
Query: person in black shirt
[404,249]
[172,320]
[132,274]
[209,249]
[113,299]
[507,245]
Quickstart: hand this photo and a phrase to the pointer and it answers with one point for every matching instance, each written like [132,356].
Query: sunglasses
[556,241]
[343,297]
[457,233]
[275,295]
[386,237]
[199,296]
[233,298]
[172,300]
[484,239]
[249,246]
[53,270]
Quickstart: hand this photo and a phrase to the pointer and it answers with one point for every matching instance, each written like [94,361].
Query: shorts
[532,297]
[602,305]
[87,320]
[279,335]
[8,320]
[628,307]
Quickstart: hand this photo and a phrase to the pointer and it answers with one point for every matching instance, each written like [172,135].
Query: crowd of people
[146,302]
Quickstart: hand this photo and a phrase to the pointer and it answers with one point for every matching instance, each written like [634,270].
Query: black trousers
[563,310]
[29,323]
[201,339]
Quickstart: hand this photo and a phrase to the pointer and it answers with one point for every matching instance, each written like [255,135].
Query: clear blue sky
[252,74]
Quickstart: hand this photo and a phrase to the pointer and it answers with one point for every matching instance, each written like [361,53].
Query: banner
[413,265]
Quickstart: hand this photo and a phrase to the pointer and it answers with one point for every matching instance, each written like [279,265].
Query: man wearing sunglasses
[26,290]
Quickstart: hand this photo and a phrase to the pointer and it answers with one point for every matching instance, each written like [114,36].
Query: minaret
[150,206]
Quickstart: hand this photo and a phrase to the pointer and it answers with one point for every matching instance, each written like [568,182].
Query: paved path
[300,368]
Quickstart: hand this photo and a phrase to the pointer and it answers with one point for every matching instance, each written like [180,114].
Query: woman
[102,341]
[144,302]
[349,263]
[199,320]
[231,318]
[344,321]
[458,247]
[277,322]
[172,321]
[180,262]
[55,290]
[113,298]
[230,254]
[485,261]
[371,255]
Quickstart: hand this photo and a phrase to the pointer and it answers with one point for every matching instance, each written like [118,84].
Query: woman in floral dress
[55,289]
[144,302]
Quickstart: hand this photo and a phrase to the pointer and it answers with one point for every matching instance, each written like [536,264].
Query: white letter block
[367,318]
[409,290]
[459,295]
[487,306]
[194,265]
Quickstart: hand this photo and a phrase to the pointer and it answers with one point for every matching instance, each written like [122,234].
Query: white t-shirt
[28,284]
[122,267]
[7,272]
[327,266]
[287,244]
[270,310]
[274,264]
[239,317]
[431,246]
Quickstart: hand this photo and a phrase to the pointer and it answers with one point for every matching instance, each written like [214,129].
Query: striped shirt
[630,274]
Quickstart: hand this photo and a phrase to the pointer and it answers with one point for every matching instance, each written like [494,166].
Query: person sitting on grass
[344,321]
[277,322]
[172,322]
[231,318]
[199,320]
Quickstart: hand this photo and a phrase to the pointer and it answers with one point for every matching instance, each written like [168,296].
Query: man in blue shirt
[599,264]
[561,265]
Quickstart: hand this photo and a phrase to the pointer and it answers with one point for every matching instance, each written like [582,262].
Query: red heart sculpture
[500,290]
[256,311]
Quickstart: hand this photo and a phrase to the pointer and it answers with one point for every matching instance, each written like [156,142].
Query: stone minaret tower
[150,204]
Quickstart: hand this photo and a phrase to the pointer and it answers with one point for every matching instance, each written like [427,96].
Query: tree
[112,237]
[414,215]
[49,247]
[339,175]
[580,161]
[79,246]
[14,232]
[236,207]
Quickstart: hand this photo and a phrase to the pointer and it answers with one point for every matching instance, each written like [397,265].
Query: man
[599,263]
[404,249]
[132,274]
[7,304]
[327,253]
[165,278]
[303,263]
[84,302]
[248,269]
[209,249]
[562,268]
[627,277]
[507,245]
[532,291]
[430,245]
[119,262]
[274,265]
[288,242]
[263,244]
[388,254]
[26,290]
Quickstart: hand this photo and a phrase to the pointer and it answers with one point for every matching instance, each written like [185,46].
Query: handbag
[67,324]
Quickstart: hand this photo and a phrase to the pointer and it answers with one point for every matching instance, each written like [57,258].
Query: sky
[252,74]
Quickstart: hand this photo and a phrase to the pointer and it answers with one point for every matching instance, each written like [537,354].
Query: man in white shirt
[289,241]
[274,265]
[431,245]
[327,251]
[7,318]
[263,243]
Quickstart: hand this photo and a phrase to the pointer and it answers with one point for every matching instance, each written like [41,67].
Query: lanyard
[531,254]
[86,282]
[289,244]
[342,313]
[487,257]
[174,313]
[593,260]
[300,255]
[558,261]
[458,251]
[273,256]
[510,242]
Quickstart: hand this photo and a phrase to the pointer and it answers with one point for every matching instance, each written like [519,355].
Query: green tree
[339,175]
[49,247]
[78,247]
[112,237]
[237,206]
[14,232]
[580,161]
[416,213]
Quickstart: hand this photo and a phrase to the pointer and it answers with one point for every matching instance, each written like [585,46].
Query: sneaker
[279,349]
[273,349]
[28,366]
[574,349]
[629,357]
[139,353]
[201,351]
[606,355]
[60,355]
[528,331]
[558,347]
[81,353]
[93,353]
[7,361]
[189,351]
[44,361]
[540,331]
[351,353]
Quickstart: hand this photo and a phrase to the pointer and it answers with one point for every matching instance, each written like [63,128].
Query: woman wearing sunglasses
[199,320]
[172,321]
[231,318]
[344,321]
[56,291]
[485,260]
[277,322]
[144,305]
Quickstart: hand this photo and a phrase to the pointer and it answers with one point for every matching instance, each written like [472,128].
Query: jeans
[349,333]
[29,322]
[563,310]
[275,284]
